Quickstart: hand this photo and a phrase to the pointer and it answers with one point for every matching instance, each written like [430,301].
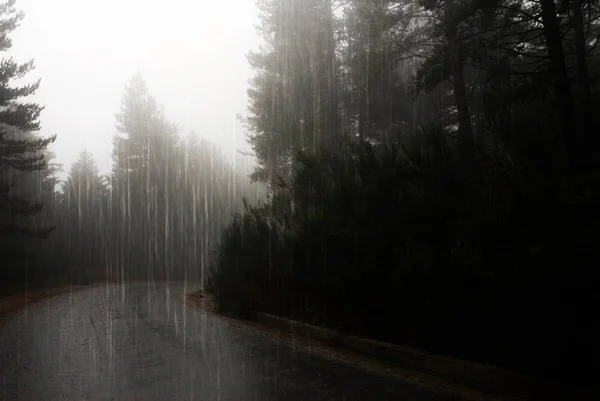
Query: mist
[299,199]
[191,53]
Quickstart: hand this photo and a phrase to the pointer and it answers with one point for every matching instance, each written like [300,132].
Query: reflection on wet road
[141,342]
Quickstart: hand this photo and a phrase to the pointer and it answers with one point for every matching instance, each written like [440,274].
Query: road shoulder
[16,302]
[435,384]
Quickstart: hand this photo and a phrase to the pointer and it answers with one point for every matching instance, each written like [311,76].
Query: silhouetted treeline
[434,177]
[159,212]
[154,216]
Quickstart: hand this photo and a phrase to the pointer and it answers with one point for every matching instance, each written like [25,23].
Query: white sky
[191,53]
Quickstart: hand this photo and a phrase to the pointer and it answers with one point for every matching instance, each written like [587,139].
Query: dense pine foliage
[434,177]
[24,172]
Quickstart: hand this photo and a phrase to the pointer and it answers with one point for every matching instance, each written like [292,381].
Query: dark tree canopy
[457,195]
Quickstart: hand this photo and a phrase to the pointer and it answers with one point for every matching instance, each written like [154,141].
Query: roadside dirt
[15,302]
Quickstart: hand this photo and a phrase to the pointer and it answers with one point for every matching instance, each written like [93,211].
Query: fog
[192,55]
[421,189]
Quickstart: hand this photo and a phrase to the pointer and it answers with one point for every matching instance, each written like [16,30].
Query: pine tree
[144,176]
[294,95]
[20,151]
[84,205]
[84,187]
[378,97]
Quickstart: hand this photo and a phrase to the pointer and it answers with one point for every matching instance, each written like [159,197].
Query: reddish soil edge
[15,302]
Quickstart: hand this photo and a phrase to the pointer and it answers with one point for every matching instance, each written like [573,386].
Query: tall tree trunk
[361,77]
[560,78]
[458,80]
[362,108]
[333,100]
[462,101]
[583,81]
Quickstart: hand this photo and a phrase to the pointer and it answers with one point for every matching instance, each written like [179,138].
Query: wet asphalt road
[140,342]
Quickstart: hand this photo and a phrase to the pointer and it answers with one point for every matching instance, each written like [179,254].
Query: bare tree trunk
[583,80]
[458,80]
[333,101]
[363,88]
[462,102]
[560,77]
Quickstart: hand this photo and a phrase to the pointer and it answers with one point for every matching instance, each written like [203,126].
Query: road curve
[141,342]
